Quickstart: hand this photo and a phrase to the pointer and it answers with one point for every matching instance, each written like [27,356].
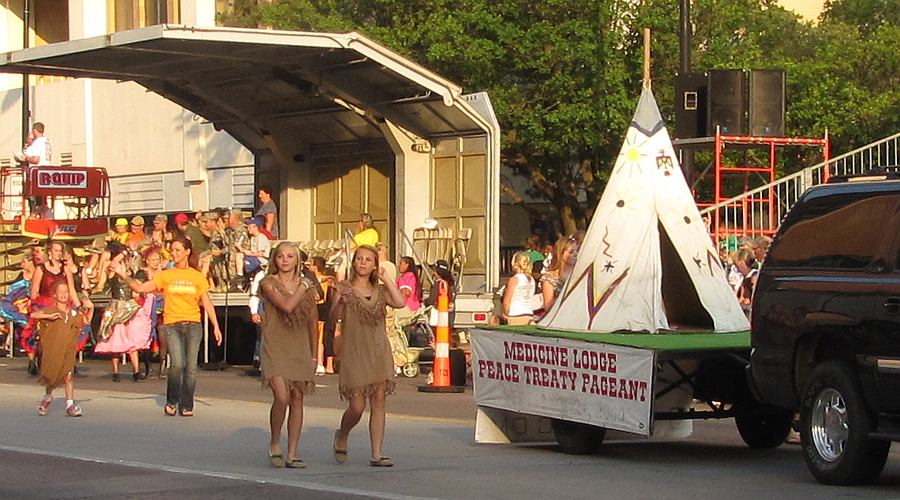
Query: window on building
[51,21]
[131,14]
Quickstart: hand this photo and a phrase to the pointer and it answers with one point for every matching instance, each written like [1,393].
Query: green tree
[564,75]
[866,15]
[848,78]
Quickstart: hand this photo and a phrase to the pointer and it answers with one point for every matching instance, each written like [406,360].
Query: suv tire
[576,438]
[762,426]
[835,424]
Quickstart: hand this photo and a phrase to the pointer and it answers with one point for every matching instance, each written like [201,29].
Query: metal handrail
[816,170]
[749,213]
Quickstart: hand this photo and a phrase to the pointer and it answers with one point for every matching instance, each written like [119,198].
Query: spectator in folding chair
[366,233]
[119,232]
[256,248]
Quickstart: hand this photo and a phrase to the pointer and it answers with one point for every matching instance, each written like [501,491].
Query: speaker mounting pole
[684,69]
[685,35]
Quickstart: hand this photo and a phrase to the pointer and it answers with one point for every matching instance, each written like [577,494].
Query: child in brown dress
[60,326]
[367,368]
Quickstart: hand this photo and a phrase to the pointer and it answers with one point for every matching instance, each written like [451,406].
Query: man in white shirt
[38,151]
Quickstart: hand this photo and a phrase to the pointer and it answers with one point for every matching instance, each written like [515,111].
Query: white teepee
[647,262]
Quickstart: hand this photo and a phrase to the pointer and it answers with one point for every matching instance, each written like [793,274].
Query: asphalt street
[125,448]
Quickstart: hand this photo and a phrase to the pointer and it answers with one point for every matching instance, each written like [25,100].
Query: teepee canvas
[647,262]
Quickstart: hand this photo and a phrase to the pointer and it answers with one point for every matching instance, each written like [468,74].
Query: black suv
[825,326]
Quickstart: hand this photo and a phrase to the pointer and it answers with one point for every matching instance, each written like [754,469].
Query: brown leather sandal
[381,462]
[340,454]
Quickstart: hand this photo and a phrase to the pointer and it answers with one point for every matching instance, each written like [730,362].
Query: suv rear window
[841,231]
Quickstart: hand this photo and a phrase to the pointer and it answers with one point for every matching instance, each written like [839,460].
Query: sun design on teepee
[631,156]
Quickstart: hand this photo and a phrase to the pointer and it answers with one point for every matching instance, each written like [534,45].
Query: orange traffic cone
[441,369]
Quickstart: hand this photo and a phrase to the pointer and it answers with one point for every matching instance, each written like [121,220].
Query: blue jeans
[251,265]
[184,343]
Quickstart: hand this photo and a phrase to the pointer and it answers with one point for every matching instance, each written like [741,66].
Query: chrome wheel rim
[829,426]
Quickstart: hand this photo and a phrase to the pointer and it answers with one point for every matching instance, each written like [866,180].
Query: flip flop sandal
[340,455]
[187,413]
[381,462]
[170,410]
[295,463]
[276,461]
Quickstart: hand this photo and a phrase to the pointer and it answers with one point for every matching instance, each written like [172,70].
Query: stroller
[408,340]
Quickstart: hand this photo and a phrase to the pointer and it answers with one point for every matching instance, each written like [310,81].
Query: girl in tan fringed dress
[60,326]
[290,334]
[367,368]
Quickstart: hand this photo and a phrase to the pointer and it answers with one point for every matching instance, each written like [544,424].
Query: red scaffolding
[722,170]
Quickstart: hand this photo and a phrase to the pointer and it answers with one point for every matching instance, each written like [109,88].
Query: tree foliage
[564,75]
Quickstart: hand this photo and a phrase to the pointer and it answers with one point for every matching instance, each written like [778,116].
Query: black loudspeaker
[690,105]
[726,89]
[767,102]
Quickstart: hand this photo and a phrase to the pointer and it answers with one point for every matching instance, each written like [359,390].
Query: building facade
[160,157]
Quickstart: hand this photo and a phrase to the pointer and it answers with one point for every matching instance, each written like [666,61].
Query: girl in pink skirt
[126,324]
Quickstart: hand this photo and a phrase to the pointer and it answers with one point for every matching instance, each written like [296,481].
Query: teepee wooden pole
[646,58]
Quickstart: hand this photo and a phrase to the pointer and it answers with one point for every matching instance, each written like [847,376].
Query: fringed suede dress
[365,354]
[285,342]
[59,339]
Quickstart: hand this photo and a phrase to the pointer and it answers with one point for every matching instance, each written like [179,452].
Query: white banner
[599,384]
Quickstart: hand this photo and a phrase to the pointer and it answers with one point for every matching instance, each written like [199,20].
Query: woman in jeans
[184,290]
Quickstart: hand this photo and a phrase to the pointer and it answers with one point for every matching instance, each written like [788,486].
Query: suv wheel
[835,424]
[576,438]
[761,425]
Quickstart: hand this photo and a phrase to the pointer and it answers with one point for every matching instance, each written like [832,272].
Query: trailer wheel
[835,424]
[762,426]
[576,438]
